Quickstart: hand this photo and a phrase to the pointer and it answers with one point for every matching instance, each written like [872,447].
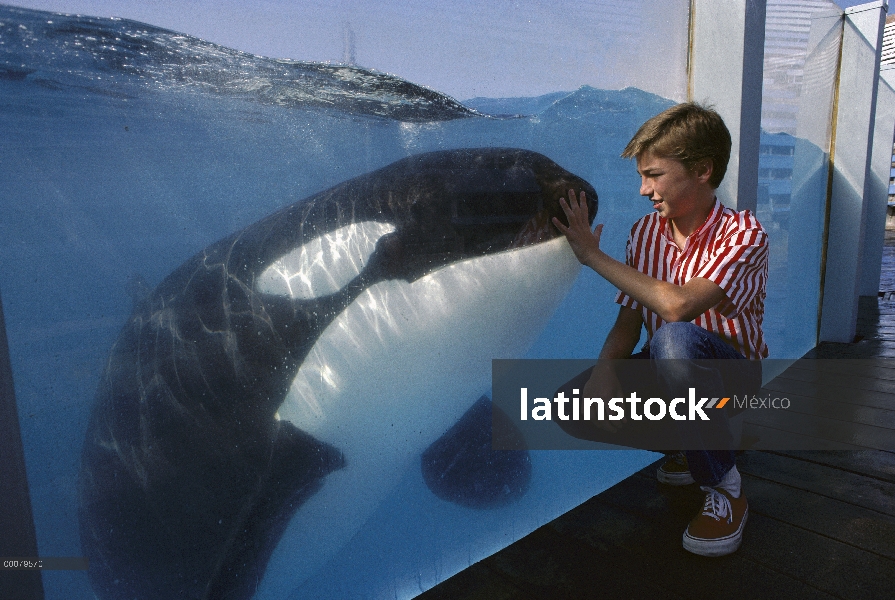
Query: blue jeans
[686,342]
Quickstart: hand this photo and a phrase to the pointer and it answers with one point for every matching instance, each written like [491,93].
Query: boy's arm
[671,302]
[624,335]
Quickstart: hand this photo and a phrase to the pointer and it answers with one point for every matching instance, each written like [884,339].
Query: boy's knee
[676,340]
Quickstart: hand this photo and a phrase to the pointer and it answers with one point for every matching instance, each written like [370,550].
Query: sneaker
[718,529]
[675,471]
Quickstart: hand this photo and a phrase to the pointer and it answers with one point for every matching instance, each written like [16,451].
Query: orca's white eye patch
[325,264]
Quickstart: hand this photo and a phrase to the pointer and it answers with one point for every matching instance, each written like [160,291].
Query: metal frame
[18,539]
[880,164]
[726,69]
[852,182]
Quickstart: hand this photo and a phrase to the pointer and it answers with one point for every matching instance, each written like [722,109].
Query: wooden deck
[821,525]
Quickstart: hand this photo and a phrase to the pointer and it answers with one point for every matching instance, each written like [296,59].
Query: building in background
[888,58]
[789,65]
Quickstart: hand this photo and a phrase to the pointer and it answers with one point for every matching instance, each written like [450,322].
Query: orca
[266,395]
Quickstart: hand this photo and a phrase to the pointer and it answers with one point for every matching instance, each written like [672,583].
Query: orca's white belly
[394,371]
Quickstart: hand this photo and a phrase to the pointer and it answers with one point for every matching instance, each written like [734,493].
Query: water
[128,149]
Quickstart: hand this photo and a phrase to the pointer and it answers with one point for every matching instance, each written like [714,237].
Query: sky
[464,48]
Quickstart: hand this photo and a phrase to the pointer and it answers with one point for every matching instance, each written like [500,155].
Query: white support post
[880,165]
[726,68]
[855,114]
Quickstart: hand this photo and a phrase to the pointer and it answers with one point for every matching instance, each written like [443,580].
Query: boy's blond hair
[688,132]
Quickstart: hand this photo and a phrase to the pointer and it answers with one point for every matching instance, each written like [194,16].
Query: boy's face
[674,190]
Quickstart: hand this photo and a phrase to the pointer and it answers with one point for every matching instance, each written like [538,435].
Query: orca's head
[419,214]
[428,268]
[468,203]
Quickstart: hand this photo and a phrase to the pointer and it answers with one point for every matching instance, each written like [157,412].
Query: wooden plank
[884,311]
[872,463]
[781,387]
[877,368]
[857,434]
[837,568]
[870,317]
[865,349]
[876,309]
[871,349]
[837,410]
[761,437]
[871,322]
[842,383]
[550,565]
[863,327]
[850,488]
[869,530]
[473,583]
[882,344]
[881,332]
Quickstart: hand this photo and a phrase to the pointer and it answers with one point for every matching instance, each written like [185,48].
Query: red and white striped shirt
[729,249]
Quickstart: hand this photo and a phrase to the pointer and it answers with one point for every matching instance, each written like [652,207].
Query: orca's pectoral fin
[462,467]
[297,467]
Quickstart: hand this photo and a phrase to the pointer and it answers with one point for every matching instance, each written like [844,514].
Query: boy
[695,276]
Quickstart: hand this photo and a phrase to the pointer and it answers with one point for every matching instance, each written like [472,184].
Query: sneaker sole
[674,478]
[717,547]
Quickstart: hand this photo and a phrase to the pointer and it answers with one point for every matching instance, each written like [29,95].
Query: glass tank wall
[249,344]
[802,41]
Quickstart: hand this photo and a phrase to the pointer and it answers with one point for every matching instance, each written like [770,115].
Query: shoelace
[716,505]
